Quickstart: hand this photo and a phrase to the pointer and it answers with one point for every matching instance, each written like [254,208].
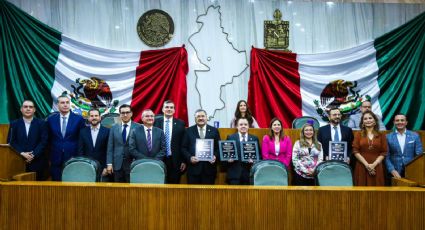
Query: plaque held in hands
[338,150]
[249,150]
[228,150]
[204,149]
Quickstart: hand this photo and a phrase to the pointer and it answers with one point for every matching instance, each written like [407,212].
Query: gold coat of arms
[276,32]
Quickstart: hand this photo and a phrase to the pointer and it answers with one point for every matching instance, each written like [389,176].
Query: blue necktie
[149,140]
[124,134]
[336,136]
[63,126]
[167,137]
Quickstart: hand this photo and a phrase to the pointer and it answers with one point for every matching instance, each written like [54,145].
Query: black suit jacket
[234,169]
[188,149]
[97,152]
[324,136]
[176,138]
[35,142]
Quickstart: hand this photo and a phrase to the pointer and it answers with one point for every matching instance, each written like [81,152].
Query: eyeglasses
[125,113]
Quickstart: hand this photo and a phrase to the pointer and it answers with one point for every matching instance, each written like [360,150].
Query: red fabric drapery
[161,76]
[274,87]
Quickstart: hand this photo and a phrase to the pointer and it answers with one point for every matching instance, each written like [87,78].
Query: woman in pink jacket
[277,146]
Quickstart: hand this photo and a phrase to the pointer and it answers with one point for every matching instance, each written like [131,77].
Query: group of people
[65,135]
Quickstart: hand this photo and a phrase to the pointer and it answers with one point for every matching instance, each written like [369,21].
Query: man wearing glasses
[118,158]
[28,136]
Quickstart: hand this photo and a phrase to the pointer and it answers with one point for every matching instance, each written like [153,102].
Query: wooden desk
[59,205]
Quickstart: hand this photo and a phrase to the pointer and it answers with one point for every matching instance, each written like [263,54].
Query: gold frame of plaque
[276,32]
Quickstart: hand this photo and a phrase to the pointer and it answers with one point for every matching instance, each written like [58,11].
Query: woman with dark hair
[370,148]
[306,155]
[277,146]
[242,110]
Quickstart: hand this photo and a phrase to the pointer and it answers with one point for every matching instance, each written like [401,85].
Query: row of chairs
[263,173]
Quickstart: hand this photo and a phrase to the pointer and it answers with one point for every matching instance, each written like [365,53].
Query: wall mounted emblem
[276,32]
[155,28]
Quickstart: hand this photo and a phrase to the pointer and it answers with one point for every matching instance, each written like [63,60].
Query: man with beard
[64,130]
[28,136]
[174,130]
[200,172]
[335,131]
[93,141]
[238,171]
[403,146]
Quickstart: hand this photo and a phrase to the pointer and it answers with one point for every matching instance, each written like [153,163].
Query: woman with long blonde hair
[306,155]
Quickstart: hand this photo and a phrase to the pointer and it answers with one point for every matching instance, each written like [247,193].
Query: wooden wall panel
[49,205]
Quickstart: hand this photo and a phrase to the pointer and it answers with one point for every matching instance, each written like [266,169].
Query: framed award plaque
[249,150]
[338,150]
[204,149]
[228,150]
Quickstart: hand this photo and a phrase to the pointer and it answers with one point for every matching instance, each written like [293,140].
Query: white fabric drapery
[315,27]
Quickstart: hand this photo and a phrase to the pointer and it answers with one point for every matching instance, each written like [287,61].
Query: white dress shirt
[94,132]
[401,137]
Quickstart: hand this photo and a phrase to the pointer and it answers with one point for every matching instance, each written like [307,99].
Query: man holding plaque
[200,147]
[238,170]
[335,132]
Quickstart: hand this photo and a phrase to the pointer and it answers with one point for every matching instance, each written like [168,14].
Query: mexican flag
[389,71]
[39,63]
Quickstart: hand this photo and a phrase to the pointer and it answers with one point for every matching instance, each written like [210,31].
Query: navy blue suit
[63,148]
[97,152]
[324,136]
[202,172]
[35,142]
[238,171]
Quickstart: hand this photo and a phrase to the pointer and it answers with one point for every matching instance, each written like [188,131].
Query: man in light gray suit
[354,121]
[403,146]
[147,141]
[118,158]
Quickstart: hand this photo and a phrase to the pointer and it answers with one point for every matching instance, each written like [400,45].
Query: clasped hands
[28,156]
[371,169]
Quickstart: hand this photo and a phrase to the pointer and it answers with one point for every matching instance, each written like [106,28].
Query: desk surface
[61,205]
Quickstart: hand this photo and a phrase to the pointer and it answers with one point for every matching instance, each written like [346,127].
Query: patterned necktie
[149,140]
[243,137]
[63,126]
[336,135]
[167,137]
[201,133]
[124,133]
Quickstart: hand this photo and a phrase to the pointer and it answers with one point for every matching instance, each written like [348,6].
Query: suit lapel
[395,140]
[408,138]
[21,126]
[195,131]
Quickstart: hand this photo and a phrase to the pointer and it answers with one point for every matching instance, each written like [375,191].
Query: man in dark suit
[200,172]
[335,131]
[118,157]
[238,171]
[28,136]
[174,130]
[93,141]
[147,141]
[64,129]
